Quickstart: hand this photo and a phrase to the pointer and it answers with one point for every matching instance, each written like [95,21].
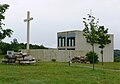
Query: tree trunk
[102,55]
[93,55]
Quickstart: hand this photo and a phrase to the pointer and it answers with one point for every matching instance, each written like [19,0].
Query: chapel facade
[74,40]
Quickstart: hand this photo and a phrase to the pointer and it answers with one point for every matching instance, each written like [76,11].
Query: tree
[15,46]
[4,32]
[117,53]
[90,31]
[4,47]
[103,39]
[42,47]
[117,59]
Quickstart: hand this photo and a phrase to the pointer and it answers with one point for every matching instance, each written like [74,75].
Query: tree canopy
[4,32]
[90,31]
[103,39]
[16,46]
[95,34]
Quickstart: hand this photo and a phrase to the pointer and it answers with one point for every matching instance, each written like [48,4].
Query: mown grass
[57,73]
[106,65]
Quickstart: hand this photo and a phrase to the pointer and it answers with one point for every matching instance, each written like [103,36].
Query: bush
[90,57]
[53,60]
[117,59]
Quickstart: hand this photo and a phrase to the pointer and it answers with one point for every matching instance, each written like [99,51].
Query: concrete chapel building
[74,40]
[71,44]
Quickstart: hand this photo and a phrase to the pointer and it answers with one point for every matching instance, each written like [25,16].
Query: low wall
[59,55]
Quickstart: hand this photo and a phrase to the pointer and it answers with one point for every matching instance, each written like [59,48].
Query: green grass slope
[56,73]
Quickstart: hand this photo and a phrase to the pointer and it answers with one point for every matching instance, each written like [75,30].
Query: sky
[52,16]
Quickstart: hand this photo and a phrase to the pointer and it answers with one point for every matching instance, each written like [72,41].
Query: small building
[74,40]
[72,44]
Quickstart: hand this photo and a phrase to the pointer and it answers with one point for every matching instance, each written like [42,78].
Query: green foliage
[4,47]
[2,11]
[117,59]
[90,30]
[4,32]
[15,46]
[90,56]
[103,39]
[37,46]
[53,60]
[95,33]
[116,53]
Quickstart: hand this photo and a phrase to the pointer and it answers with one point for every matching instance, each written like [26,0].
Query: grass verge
[56,73]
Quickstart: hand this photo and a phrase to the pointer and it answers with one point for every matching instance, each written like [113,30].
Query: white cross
[28,28]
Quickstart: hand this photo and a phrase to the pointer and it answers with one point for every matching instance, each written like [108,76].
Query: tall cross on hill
[28,29]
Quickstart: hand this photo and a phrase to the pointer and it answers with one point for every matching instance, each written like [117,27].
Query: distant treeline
[15,46]
[117,55]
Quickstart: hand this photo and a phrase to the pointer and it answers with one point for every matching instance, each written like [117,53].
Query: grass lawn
[58,73]
[107,65]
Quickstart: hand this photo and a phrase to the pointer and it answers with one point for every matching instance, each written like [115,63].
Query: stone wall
[59,55]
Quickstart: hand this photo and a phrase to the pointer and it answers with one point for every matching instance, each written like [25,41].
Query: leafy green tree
[90,56]
[4,47]
[15,46]
[4,32]
[117,59]
[103,39]
[116,53]
[90,31]
[42,47]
